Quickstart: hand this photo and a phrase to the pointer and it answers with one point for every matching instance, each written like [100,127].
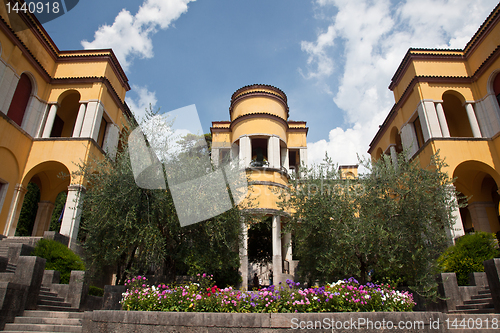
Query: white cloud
[372,38]
[144,99]
[130,35]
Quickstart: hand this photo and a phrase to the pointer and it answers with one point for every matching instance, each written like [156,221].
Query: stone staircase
[49,301]
[52,315]
[31,241]
[46,321]
[481,303]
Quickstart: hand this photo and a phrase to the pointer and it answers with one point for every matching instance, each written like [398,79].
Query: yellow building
[57,108]
[269,147]
[448,101]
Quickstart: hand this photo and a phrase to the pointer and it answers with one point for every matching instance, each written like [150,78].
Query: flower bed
[203,296]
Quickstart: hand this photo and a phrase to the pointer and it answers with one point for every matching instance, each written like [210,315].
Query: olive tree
[389,224]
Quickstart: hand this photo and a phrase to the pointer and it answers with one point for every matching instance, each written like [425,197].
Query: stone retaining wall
[183,322]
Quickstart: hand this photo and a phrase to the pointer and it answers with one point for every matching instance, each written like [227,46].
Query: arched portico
[479,183]
[51,177]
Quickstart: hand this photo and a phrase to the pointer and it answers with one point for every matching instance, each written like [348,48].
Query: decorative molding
[240,94]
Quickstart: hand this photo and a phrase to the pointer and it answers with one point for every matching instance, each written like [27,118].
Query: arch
[479,183]
[456,115]
[53,177]
[494,85]
[21,99]
[67,112]
[395,138]
[51,180]
[378,153]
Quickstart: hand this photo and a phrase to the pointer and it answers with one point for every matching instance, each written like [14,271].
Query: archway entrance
[260,251]
[50,178]
[478,182]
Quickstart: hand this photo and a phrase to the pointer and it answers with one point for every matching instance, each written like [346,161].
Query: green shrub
[59,258]
[96,291]
[468,254]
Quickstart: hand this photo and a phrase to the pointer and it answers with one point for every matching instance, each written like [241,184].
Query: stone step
[50,314]
[56,308]
[44,291]
[42,328]
[482,296]
[484,291]
[480,300]
[474,306]
[474,311]
[11,268]
[6,276]
[50,320]
[53,298]
[59,303]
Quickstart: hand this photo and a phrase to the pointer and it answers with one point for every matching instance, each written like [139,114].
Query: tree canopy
[389,224]
[136,230]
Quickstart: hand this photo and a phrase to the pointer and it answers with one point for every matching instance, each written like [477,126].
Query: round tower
[270,148]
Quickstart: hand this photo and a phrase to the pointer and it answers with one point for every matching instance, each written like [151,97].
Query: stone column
[245,153]
[273,152]
[244,256]
[111,138]
[479,215]
[287,249]
[277,257]
[43,216]
[92,121]
[409,139]
[488,115]
[284,158]
[432,121]
[476,132]
[41,125]
[79,120]
[72,212]
[15,209]
[50,121]
[8,87]
[457,229]
[394,155]
[303,156]
[424,122]
[442,120]
[302,159]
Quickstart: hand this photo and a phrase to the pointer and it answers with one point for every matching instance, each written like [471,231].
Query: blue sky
[333,58]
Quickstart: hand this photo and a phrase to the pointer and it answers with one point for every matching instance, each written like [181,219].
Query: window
[418,131]
[20,100]
[102,132]
[496,88]
[259,152]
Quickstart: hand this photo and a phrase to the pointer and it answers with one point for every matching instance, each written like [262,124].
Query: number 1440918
[34,7]
[473,323]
